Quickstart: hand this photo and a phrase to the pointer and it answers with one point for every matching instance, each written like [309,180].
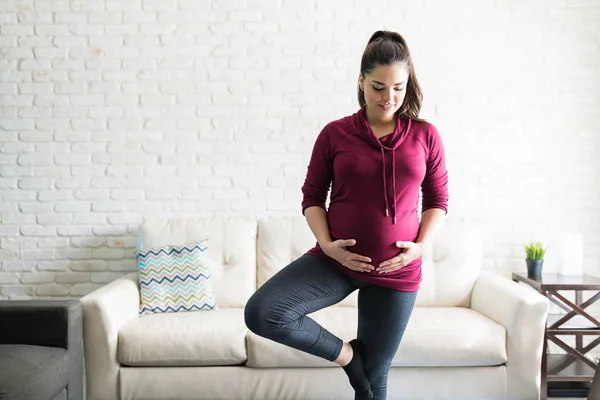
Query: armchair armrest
[523,312]
[105,311]
[51,323]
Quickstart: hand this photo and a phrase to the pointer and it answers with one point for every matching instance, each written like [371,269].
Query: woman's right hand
[337,250]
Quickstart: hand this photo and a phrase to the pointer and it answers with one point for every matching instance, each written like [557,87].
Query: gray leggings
[278,310]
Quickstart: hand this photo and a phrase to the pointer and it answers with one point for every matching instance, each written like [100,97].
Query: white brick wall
[115,112]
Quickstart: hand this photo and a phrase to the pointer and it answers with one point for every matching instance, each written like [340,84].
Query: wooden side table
[567,374]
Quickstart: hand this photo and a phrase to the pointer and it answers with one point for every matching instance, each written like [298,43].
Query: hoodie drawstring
[394,187]
[384,184]
[387,206]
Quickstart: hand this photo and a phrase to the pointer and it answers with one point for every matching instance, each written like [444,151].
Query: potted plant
[535,259]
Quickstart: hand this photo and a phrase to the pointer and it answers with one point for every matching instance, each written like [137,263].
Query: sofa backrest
[246,252]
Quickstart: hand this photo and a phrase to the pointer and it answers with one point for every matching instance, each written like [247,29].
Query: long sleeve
[319,173]
[435,183]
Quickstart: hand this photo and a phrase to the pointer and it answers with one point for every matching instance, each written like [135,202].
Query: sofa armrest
[523,312]
[51,323]
[105,311]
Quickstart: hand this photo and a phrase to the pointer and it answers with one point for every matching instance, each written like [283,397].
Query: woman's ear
[361,82]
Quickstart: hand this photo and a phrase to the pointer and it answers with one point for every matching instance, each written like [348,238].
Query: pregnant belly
[375,235]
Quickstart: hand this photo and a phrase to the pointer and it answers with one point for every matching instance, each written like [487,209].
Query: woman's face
[385,89]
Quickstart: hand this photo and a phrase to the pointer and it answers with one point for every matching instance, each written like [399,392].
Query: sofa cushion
[175,279]
[232,250]
[435,337]
[192,338]
[32,372]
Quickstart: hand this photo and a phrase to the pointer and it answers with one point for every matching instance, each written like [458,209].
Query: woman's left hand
[411,251]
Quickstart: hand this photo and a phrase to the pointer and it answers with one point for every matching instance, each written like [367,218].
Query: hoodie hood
[386,145]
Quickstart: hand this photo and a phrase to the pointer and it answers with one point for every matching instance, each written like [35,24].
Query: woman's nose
[387,96]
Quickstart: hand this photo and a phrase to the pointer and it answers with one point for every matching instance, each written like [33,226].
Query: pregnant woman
[370,238]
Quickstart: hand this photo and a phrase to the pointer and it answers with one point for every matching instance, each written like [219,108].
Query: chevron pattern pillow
[175,279]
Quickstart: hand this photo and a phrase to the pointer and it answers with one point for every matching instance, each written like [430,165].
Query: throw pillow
[175,278]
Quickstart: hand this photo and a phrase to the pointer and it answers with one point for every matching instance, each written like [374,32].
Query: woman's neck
[381,127]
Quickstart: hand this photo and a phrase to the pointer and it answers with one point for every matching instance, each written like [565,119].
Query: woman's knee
[254,315]
[266,318]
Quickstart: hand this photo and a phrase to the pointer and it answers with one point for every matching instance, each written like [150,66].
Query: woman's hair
[386,48]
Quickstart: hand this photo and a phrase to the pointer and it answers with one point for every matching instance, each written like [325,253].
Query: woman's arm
[316,217]
[431,221]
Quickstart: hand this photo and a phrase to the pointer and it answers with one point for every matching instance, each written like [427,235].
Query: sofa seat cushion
[435,337]
[32,372]
[193,338]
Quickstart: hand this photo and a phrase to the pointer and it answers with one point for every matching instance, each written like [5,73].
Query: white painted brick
[91,194]
[17,124]
[6,183]
[45,53]
[34,183]
[35,112]
[195,4]
[73,254]
[72,206]
[35,41]
[122,265]
[52,243]
[159,5]
[18,195]
[125,242]
[41,254]
[108,254]
[122,29]
[17,30]
[62,265]
[121,218]
[130,5]
[7,206]
[69,41]
[35,207]
[52,289]
[37,277]
[101,277]
[18,292]
[91,242]
[52,195]
[67,183]
[115,230]
[6,255]
[73,230]
[19,242]
[70,87]
[18,266]
[8,278]
[72,277]
[8,18]
[88,99]
[107,206]
[16,100]
[88,219]
[10,159]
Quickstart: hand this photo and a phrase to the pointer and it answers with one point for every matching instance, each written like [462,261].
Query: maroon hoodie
[375,185]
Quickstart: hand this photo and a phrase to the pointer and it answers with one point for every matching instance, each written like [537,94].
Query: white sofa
[473,334]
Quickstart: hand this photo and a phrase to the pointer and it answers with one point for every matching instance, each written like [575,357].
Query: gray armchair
[41,350]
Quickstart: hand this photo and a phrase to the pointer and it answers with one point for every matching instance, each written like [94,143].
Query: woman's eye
[380,89]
